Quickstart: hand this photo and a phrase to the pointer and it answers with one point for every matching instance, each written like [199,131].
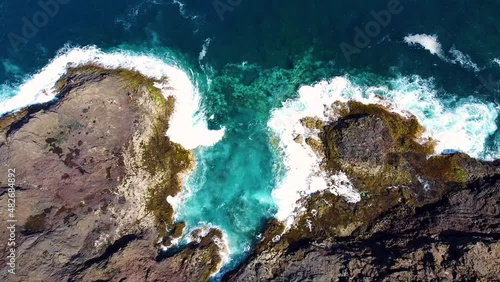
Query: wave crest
[188,126]
[463,125]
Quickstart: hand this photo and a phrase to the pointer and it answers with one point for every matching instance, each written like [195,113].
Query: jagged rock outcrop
[455,239]
[421,217]
[93,172]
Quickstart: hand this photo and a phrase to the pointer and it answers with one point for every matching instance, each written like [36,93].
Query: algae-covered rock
[421,216]
[93,173]
[349,141]
[454,239]
[383,155]
[380,150]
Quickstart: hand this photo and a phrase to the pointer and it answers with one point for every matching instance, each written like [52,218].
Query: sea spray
[432,44]
[188,126]
[428,42]
[460,125]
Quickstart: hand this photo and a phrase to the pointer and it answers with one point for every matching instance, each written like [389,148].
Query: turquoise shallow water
[232,189]
[259,55]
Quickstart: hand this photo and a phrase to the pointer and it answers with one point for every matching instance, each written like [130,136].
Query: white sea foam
[128,19]
[223,244]
[304,175]
[191,183]
[496,61]
[188,126]
[224,251]
[182,10]
[175,202]
[458,57]
[428,42]
[204,49]
[182,7]
[11,68]
[432,44]
[462,125]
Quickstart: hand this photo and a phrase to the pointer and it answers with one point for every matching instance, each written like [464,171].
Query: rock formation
[421,217]
[93,172]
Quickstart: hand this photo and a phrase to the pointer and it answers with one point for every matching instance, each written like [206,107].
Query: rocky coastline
[422,217]
[94,170]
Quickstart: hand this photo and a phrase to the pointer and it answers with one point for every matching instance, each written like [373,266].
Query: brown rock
[82,188]
[420,218]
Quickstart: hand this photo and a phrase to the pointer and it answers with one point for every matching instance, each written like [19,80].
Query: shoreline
[131,173]
[165,96]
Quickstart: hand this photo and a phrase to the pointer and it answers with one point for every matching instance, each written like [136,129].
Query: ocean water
[245,72]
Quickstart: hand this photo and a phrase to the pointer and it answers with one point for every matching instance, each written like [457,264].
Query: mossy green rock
[94,170]
[421,216]
[383,155]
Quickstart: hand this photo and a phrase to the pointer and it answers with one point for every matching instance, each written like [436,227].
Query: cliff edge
[93,170]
